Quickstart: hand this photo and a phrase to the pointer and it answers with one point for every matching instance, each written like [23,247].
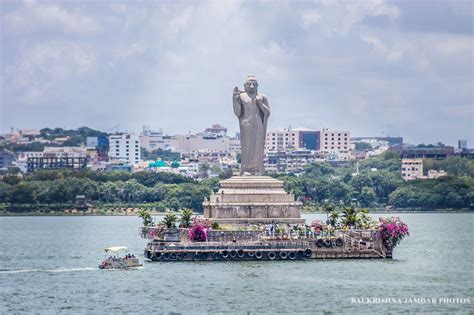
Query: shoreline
[134,214]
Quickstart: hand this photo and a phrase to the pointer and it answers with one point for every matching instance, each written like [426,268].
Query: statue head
[251,85]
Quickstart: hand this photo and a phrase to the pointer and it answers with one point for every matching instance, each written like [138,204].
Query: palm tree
[328,208]
[186,215]
[349,215]
[334,218]
[170,220]
[146,216]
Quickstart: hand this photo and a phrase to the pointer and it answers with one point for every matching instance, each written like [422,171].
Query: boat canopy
[115,249]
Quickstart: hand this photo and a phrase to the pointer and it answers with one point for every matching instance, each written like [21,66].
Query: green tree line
[167,191]
[379,184]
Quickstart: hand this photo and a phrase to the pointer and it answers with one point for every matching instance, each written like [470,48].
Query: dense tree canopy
[377,184]
[169,191]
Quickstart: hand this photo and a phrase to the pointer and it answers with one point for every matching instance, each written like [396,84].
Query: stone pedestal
[252,199]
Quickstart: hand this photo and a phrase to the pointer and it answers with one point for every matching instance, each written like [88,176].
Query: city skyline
[373,67]
[116,130]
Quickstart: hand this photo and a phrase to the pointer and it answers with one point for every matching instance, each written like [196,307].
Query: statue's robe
[253,113]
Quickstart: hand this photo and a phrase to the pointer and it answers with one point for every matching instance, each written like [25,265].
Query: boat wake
[11,271]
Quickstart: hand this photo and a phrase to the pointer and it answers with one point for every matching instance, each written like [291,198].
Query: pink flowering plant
[392,230]
[156,232]
[198,230]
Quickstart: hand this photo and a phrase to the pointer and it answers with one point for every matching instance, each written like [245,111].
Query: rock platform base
[252,200]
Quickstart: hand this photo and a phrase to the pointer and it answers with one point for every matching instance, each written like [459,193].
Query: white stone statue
[253,111]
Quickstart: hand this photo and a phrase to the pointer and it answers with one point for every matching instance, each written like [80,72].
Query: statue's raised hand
[237,102]
[236,92]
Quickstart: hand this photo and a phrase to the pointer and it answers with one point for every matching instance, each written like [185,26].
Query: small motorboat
[115,259]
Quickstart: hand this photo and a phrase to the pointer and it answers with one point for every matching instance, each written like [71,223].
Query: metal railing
[252,235]
[223,246]
[362,245]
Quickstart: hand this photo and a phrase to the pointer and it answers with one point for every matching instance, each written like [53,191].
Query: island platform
[255,245]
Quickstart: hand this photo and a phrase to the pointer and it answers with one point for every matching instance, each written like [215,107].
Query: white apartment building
[234,145]
[412,169]
[336,144]
[289,161]
[125,147]
[205,143]
[335,140]
[281,140]
[62,152]
[202,142]
[23,156]
[292,139]
[154,140]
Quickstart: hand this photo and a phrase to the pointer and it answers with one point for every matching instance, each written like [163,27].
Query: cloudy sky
[374,67]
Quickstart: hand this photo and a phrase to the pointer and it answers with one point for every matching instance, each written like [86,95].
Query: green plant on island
[186,218]
[215,226]
[170,220]
[349,216]
[327,208]
[280,230]
[364,220]
[146,216]
[334,217]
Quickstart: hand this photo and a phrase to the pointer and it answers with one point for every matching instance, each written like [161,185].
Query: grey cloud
[172,65]
[437,16]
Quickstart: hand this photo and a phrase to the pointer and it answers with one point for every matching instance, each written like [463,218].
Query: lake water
[49,265]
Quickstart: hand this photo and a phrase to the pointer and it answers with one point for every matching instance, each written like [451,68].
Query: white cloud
[33,17]
[340,17]
[173,65]
[46,64]
[453,44]
[390,54]
[310,17]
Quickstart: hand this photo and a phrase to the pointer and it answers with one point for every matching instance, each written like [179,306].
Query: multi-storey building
[55,158]
[217,130]
[205,143]
[234,145]
[412,169]
[124,147]
[336,144]
[155,140]
[335,140]
[391,141]
[59,152]
[281,140]
[53,162]
[214,139]
[438,151]
[292,139]
[293,161]
[308,139]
